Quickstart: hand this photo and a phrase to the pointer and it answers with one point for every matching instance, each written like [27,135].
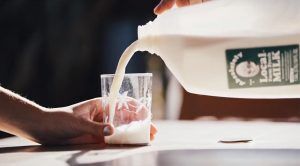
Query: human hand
[77,124]
[168,4]
[80,123]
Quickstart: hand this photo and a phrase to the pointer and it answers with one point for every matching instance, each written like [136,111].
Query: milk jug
[230,48]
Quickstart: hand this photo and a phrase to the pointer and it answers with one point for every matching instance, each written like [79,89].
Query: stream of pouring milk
[136,132]
[118,78]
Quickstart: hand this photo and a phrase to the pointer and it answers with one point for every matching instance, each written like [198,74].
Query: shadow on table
[193,157]
[72,159]
[196,157]
[209,157]
[41,148]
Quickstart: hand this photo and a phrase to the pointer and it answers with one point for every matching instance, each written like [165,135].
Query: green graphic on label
[263,66]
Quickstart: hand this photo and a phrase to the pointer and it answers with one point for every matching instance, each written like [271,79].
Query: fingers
[181,3]
[87,108]
[97,129]
[163,6]
[152,136]
[168,4]
[134,110]
[87,103]
[153,131]
[98,117]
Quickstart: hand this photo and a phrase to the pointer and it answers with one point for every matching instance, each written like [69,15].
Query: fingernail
[107,130]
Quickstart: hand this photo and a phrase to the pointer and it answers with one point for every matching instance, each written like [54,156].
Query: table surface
[177,143]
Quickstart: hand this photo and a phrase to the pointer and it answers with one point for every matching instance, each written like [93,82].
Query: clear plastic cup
[132,117]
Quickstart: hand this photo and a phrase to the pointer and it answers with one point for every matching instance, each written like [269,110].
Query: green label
[263,66]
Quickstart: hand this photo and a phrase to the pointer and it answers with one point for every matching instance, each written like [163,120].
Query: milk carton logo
[265,66]
[232,72]
[247,69]
[243,69]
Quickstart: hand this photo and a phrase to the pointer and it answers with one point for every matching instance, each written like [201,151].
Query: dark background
[53,51]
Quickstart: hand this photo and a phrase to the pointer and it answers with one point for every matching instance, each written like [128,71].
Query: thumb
[163,5]
[98,129]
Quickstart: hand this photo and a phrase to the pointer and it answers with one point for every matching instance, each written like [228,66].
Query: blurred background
[54,51]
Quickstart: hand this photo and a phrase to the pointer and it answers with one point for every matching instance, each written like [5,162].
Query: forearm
[19,116]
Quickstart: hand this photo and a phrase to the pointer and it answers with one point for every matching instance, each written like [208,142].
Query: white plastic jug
[230,48]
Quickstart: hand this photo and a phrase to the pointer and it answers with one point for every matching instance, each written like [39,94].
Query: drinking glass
[132,116]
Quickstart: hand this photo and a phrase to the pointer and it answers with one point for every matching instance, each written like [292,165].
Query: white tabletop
[172,135]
